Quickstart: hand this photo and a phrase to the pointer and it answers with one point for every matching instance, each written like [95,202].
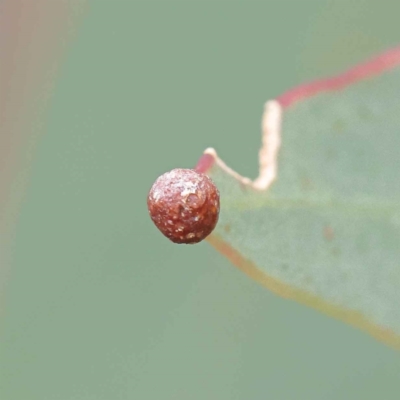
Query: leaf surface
[327,231]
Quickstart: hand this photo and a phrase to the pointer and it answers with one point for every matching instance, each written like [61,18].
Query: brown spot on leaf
[329,234]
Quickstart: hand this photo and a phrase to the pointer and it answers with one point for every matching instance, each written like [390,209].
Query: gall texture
[184,205]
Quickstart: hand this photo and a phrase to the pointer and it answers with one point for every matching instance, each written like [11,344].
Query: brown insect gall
[184,205]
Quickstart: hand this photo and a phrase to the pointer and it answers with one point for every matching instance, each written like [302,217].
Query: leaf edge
[351,317]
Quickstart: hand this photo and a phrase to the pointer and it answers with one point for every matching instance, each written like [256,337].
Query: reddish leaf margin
[375,66]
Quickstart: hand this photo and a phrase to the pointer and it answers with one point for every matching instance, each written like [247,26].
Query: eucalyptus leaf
[326,232]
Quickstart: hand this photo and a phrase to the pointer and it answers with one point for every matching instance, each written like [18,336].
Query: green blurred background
[99,305]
